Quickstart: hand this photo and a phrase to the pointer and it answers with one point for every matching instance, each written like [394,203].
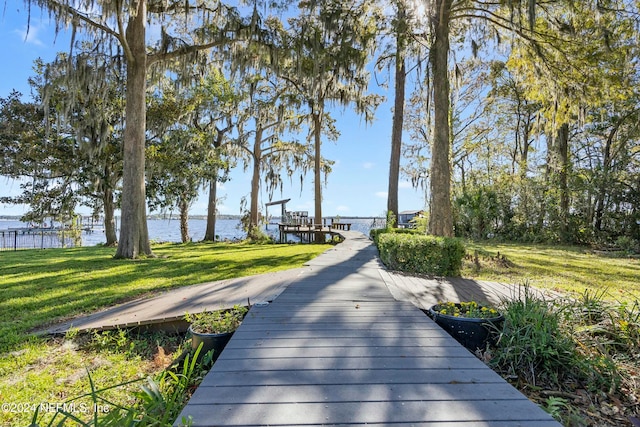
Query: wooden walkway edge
[336,348]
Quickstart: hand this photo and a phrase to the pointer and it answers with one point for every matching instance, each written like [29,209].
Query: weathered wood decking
[335,348]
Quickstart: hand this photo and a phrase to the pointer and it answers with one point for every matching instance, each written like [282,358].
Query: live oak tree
[73,135]
[45,163]
[119,29]
[267,121]
[325,49]
[186,140]
[94,114]
[215,119]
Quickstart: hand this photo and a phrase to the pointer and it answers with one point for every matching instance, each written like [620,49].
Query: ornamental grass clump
[469,309]
[585,348]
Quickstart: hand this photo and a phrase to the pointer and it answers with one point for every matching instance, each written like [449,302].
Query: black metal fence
[36,238]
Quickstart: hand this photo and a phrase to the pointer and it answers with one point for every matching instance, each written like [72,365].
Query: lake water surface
[168,230]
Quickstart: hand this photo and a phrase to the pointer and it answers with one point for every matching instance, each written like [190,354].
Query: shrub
[440,256]
[374,233]
[627,244]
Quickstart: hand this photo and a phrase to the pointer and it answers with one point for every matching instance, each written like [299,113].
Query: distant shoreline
[202,217]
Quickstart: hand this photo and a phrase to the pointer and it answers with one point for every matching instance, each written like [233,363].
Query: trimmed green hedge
[411,253]
[374,233]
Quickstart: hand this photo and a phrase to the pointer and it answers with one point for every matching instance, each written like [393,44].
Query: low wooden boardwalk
[171,306]
[335,348]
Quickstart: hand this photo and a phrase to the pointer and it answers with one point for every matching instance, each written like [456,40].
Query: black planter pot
[215,342]
[473,333]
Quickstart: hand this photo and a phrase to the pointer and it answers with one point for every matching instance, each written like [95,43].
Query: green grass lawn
[40,287]
[44,286]
[572,269]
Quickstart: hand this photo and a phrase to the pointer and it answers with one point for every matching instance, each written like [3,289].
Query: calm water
[164,230]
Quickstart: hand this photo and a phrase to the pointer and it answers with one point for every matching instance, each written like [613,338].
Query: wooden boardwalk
[335,348]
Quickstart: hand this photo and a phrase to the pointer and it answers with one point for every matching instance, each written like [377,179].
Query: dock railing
[14,239]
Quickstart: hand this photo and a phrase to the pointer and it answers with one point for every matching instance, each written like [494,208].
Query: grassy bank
[572,269]
[45,286]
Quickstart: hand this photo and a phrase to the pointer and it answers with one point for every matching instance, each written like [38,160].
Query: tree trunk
[398,113]
[440,220]
[604,182]
[523,168]
[562,145]
[184,220]
[254,219]
[317,217]
[134,236]
[396,133]
[212,208]
[109,216]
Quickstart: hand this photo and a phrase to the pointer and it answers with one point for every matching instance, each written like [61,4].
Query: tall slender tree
[401,34]
[325,51]
[473,21]
[269,116]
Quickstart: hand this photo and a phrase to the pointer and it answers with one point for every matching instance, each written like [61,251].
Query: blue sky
[356,187]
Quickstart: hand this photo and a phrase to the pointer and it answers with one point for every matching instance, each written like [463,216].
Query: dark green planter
[473,333]
[215,342]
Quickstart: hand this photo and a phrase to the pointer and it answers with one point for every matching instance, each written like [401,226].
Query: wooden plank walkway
[425,292]
[335,348]
[171,306]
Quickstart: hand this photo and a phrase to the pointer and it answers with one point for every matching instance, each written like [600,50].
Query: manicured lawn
[40,287]
[562,268]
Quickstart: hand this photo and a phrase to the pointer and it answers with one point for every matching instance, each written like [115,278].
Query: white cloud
[382,194]
[307,205]
[343,208]
[404,184]
[30,36]
[368,165]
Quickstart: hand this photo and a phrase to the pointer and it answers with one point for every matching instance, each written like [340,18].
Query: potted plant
[471,324]
[213,329]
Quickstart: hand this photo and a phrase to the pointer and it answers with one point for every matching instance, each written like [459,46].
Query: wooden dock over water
[335,348]
[308,232]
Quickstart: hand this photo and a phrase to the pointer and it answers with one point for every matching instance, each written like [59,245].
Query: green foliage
[627,244]
[217,322]
[469,309]
[477,212]
[54,369]
[257,235]
[157,403]
[420,223]
[375,233]
[588,344]
[563,342]
[533,347]
[392,221]
[421,254]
